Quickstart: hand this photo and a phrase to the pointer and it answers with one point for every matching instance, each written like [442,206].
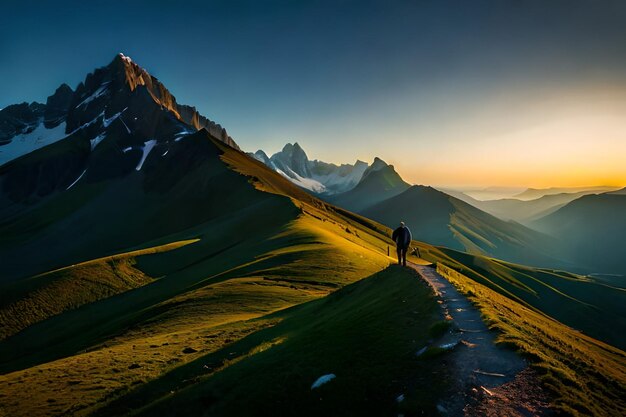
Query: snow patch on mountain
[110,120]
[316,176]
[341,179]
[98,93]
[324,379]
[146,149]
[89,123]
[76,180]
[262,157]
[125,58]
[28,142]
[95,141]
[308,183]
[182,134]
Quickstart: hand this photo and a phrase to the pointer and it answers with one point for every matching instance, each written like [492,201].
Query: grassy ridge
[586,376]
[295,249]
[588,305]
[84,357]
[366,334]
[30,301]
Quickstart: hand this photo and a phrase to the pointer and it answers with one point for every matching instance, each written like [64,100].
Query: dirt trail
[489,380]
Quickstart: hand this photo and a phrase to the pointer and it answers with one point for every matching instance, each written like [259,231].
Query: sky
[452,93]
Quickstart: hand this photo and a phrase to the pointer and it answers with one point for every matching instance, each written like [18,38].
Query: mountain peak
[57,106]
[124,72]
[294,151]
[378,164]
[261,156]
[320,177]
[120,100]
[289,147]
[124,58]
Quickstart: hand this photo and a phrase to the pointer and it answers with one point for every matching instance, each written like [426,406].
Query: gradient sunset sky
[453,93]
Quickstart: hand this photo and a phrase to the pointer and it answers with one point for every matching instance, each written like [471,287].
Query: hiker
[402,237]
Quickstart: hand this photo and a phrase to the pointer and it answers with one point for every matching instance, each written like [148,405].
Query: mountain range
[511,229]
[317,176]
[534,193]
[521,211]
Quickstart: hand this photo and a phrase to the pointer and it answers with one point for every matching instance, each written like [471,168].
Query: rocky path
[489,380]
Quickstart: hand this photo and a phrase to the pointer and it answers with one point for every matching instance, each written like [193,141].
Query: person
[402,237]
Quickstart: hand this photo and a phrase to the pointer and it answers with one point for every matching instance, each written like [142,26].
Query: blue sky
[451,92]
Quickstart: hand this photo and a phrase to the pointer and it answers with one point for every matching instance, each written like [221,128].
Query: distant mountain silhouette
[521,211]
[534,193]
[620,191]
[591,230]
[380,182]
[440,219]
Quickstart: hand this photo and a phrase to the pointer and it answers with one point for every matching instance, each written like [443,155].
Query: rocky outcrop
[136,77]
[262,157]
[121,95]
[19,118]
[292,159]
[118,121]
[57,106]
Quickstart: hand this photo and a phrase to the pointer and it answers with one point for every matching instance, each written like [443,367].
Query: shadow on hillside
[366,334]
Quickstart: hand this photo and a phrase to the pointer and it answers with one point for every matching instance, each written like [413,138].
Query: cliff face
[120,122]
[124,74]
[121,92]
[57,106]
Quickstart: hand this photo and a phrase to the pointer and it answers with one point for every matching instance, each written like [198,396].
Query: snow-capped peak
[125,58]
[317,176]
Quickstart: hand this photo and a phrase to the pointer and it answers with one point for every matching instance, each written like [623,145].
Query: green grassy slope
[585,376]
[29,301]
[583,303]
[268,292]
[185,188]
[262,246]
[440,219]
[366,334]
[591,230]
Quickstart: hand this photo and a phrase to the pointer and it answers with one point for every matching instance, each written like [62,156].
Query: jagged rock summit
[121,94]
[317,176]
[119,121]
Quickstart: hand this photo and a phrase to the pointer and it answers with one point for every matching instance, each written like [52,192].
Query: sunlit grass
[586,376]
